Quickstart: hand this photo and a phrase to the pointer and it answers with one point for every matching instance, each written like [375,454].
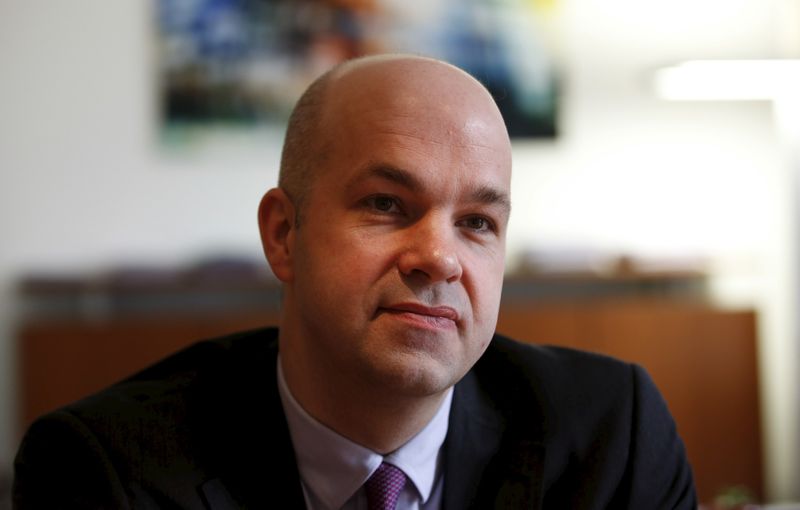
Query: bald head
[401,88]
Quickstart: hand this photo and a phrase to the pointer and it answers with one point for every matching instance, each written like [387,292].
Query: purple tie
[384,486]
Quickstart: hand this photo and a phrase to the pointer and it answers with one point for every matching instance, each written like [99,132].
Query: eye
[383,203]
[477,223]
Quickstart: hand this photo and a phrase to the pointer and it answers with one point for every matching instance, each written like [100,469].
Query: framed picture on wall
[229,66]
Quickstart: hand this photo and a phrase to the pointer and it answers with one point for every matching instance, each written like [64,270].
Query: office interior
[660,224]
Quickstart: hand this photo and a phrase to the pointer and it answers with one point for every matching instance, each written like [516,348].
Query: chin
[418,377]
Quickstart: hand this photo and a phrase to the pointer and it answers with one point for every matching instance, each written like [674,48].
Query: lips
[433,314]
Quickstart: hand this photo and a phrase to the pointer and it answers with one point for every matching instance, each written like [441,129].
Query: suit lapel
[216,496]
[251,440]
[473,439]
[486,464]
[520,476]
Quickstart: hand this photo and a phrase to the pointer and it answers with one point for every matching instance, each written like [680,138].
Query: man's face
[398,263]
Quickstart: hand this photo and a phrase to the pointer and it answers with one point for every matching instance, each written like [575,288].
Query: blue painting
[241,64]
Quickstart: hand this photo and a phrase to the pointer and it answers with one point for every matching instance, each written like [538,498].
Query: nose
[430,250]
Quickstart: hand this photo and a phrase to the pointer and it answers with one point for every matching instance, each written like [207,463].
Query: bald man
[385,386]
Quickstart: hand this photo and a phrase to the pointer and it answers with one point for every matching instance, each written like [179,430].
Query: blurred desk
[79,335]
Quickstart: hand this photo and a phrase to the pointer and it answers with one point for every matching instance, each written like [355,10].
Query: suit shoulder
[554,365]
[180,371]
[164,395]
[151,430]
[558,386]
[599,418]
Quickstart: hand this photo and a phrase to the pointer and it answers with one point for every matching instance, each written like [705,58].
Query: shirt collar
[333,468]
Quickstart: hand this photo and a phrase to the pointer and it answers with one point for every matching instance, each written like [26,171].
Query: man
[387,232]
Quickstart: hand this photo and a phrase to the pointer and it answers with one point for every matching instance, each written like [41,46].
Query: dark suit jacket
[530,427]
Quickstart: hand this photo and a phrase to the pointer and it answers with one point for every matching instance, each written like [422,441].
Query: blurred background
[655,191]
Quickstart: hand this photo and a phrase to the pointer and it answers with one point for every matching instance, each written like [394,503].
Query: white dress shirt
[333,469]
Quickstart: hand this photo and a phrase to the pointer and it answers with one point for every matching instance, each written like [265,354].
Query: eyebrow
[482,194]
[491,196]
[392,174]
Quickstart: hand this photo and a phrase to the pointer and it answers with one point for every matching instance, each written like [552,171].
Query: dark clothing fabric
[530,427]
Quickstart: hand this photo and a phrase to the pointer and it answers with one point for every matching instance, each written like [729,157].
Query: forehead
[426,118]
[417,96]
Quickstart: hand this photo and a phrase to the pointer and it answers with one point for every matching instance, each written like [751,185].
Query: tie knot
[384,486]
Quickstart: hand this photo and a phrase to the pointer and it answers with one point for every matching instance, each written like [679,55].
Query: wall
[83,186]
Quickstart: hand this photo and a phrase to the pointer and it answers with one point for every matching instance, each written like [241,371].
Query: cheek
[349,264]
[365,256]
[485,284]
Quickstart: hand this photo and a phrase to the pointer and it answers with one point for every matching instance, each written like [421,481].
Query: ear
[276,223]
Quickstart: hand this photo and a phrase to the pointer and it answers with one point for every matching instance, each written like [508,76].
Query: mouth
[432,317]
